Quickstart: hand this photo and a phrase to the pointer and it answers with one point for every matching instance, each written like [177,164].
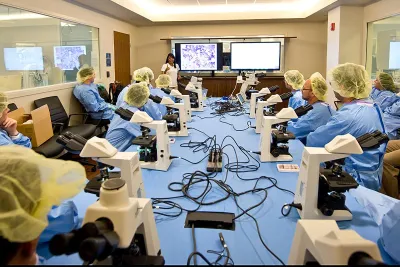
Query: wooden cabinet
[223,86]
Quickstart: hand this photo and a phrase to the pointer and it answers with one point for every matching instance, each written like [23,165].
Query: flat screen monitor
[394,55]
[199,57]
[23,58]
[256,56]
[67,57]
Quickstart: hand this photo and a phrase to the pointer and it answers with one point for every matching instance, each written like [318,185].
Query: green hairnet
[295,79]
[3,102]
[350,80]
[85,74]
[137,94]
[163,81]
[387,81]
[319,86]
[30,185]
[144,74]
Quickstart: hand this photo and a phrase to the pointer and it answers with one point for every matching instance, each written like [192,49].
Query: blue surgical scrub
[391,117]
[383,98]
[297,100]
[308,123]
[356,118]
[21,140]
[89,97]
[151,108]
[158,92]
[121,132]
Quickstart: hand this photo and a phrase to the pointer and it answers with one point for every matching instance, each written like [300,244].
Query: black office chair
[50,148]
[60,121]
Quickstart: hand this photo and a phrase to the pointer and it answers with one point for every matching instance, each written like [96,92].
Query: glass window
[37,50]
[383,47]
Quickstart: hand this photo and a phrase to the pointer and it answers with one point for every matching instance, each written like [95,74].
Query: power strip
[215,160]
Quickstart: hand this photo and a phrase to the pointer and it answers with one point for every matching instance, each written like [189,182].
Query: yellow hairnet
[295,79]
[163,81]
[137,94]
[351,80]
[144,74]
[3,102]
[319,86]
[387,81]
[85,74]
[30,185]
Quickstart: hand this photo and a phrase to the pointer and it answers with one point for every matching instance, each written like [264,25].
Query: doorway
[122,58]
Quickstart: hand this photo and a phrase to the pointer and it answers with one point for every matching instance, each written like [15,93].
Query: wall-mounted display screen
[23,58]
[256,56]
[67,57]
[199,57]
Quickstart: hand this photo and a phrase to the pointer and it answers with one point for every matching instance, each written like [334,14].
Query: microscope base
[269,158]
[198,109]
[252,116]
[155,165]
[338,215]
[179,133]
[258,131]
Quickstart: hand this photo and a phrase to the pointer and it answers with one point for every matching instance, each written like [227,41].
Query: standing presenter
[172,70]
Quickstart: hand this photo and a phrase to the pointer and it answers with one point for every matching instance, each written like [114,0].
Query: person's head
[294,80]
[144,74]
[30,185]
[315,89]
[170,59]
[83,59]
[163,81]
[137,94]
[350,81]
[86,75]
[384,81]
[3,107]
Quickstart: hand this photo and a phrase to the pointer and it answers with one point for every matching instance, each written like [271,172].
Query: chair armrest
[85,116]
[59,124]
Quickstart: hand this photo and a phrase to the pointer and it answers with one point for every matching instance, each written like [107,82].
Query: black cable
[233,126]
[201,256]
[290,205]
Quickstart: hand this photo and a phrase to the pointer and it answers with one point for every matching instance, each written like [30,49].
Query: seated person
[8,127]
[121,132]
[88,95]
[383,92]
[143,75]
[391,170]
[162,82]
[358,116]
[25,205]
[391,117]
[314,91]
[294,81]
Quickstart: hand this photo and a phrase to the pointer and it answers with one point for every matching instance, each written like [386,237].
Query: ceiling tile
[240,1]
[212,2]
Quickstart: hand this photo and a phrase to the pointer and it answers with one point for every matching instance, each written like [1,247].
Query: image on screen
[23,58]
[67,57]
[394,55]
[199,57]
[255,56]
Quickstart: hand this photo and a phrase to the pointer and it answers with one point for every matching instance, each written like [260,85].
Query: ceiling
[172,12]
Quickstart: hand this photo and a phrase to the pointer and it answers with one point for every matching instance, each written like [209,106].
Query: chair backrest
[12,107]
[57,111]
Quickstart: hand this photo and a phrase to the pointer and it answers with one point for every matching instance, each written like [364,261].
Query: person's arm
[152,110]
[165,69]
[89,101]
[21,140]
[10,135]
[324,134]
[178,70]
[302,127]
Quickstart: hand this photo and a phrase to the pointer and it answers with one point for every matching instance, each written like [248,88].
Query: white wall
[67,11]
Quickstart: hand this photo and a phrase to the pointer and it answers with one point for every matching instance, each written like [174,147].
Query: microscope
[260,95]
[322,242]
[273,142]
[117,230]
[154,150]
[248,85]
[107,156]
[176,121]
[178,97]
[271,102]
[320,191]
[196,97]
